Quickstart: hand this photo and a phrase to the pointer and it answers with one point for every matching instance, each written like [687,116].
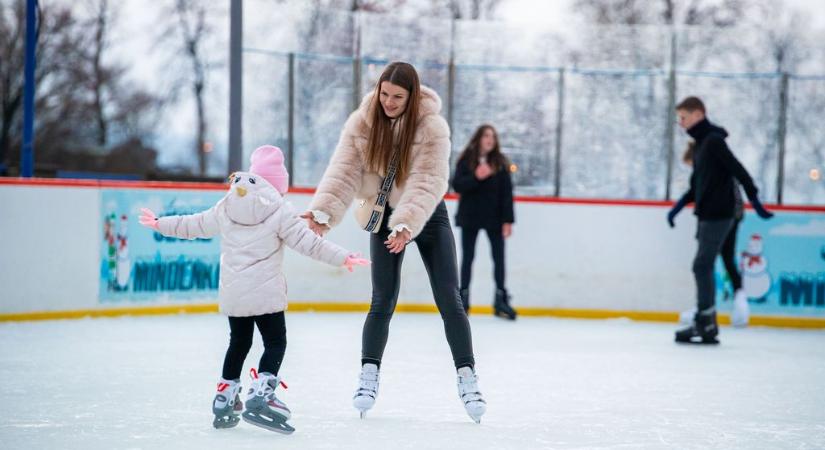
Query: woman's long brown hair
[471,152]
[687,157]
[380,143]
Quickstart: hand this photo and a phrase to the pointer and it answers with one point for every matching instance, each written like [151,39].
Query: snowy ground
[147,383]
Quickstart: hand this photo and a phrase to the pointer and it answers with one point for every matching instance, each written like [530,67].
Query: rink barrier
[562,313]
[326,305]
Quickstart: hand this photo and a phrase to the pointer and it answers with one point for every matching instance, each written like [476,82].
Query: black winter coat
[714,169]
[485,203]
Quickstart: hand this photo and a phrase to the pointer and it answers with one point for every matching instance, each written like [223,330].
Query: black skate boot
[703,330]
[501,305]
[465,300]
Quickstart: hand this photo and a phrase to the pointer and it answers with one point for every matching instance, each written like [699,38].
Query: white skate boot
[365,396]
[227,405]
[263,408]
[470,395]
[740,315]
[686,317]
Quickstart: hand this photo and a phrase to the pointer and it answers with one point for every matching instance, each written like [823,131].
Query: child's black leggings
[273,331]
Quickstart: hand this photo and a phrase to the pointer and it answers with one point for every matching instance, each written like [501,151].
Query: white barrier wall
[592,256]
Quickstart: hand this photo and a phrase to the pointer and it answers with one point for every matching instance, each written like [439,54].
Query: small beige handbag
[370,212]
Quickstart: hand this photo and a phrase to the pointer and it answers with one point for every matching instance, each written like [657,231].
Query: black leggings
[273,331]
[468,245]
[437,248]
[728,252]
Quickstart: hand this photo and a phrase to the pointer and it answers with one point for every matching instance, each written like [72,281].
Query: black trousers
[273,331]
[437,248]
[728,253]
[468,246]
[710,234]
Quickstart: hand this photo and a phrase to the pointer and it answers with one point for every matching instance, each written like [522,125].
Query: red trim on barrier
[63,182]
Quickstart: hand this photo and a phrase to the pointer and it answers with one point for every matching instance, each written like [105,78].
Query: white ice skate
[470,395]
[365,396]
[263,408]
[740,315]
[227,405]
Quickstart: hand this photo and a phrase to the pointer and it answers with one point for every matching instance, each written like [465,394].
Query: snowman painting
[756,281]
[123,264]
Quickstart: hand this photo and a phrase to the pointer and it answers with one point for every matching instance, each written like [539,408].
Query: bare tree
[192,27]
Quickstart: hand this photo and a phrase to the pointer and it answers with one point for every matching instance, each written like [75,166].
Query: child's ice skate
[227,405]
[469,393]
[263,408]
[740,315]
[367,391]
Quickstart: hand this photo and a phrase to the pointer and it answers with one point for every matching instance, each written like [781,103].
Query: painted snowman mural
[123,264]
[756,281]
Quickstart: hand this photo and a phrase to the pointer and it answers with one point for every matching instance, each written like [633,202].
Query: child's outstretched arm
[297,235]
[200,225]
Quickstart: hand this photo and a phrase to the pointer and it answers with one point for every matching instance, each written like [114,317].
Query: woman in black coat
[482,178]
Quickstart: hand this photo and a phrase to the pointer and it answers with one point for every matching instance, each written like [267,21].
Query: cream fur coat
[413,201]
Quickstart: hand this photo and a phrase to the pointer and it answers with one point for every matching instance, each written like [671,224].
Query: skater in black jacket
[482,178]
[712,190]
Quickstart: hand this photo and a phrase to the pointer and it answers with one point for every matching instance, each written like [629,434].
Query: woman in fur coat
[400,118]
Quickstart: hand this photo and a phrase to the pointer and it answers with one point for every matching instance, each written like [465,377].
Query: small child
[255,223]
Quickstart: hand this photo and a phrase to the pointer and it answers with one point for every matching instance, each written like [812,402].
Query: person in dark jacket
[482,178]
[712,185]
[741,311]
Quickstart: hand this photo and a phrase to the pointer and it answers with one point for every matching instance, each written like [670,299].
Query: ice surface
[147,383]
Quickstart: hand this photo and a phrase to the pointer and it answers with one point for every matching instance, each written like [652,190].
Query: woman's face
[487,142]
[393,99]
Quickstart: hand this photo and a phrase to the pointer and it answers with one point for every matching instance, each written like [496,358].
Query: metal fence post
[356,62]
[781,133]
[451,87]
[290,159]
[559,133]
[670,115]
[235,86]
[27,152]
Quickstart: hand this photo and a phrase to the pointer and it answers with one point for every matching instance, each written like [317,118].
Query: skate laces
[367,383]
[468,388]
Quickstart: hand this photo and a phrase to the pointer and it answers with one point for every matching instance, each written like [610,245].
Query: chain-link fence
[592,132]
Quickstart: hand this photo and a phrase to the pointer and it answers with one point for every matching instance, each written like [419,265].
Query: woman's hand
[148,219]
[483,171]
[396,244]
[317,228]
[507,230]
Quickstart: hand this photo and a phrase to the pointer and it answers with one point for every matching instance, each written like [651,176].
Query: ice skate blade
[703,341]
[363,414]
[504,315]
[274,423]
[225,422]
[476,419]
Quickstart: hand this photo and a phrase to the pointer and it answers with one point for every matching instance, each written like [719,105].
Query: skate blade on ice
[230,421]
[272,422]
[702,341]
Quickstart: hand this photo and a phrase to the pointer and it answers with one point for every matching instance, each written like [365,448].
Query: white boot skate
[263,408]
[740,315]
[470,395]
[365,396]
[686,317]
[227,405]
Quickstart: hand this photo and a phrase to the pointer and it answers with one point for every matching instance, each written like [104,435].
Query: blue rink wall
[75,248]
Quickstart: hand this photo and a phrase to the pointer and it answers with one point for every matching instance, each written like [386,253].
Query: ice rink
[148,382]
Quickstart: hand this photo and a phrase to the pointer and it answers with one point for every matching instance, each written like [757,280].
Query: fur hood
[412,201]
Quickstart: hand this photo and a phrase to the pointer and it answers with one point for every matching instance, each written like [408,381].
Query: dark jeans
[710,235]
[273,331]
[468,246]
[437,248]
[728,254]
